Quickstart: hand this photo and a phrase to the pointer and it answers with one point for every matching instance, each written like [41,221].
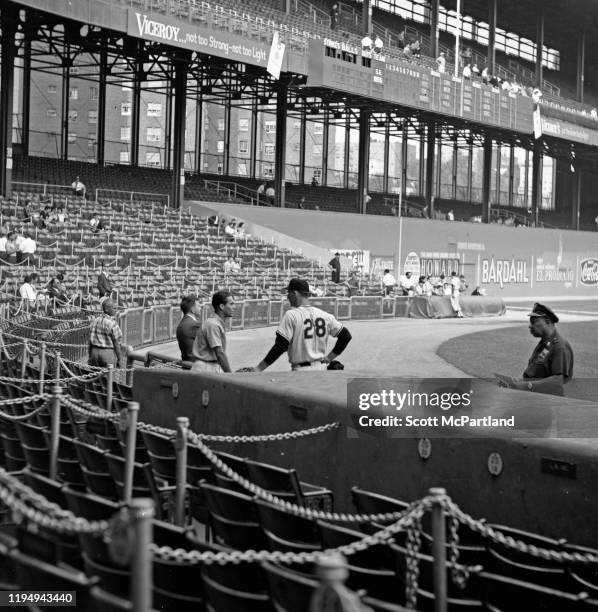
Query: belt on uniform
[205,361]
[304,364]
[104,348]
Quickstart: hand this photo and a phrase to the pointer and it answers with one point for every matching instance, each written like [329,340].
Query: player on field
[303,333]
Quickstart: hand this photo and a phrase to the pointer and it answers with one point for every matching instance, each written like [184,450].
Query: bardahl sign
[588,272]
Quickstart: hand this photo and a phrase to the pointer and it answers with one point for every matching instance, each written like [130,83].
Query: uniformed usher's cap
[539,310]
[297,284]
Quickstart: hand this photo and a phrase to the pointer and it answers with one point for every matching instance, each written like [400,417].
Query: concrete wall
[524,495]
[507,261]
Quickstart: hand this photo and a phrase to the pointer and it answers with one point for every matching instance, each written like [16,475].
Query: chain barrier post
[142,513]
[182,426]
[56,365]
[129,424]
[24,360]
[55,430]
[439,549]
[109,385]
[42,367]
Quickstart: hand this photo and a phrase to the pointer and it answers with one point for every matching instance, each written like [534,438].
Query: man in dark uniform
[187,328]
[551,363]
[335,264]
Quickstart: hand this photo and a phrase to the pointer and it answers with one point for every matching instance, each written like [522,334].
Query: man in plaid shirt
[105,338]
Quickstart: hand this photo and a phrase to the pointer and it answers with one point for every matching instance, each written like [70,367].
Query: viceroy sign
[588,271]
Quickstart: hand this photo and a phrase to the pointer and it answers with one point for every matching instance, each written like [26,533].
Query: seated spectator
[441,62]
[261,194]
[93,223]
[594,113]
[213,221]
[60,215]
[388,282]
[352,283]
[475,71]
[57,290]
[240,233]
[485,75]
[26,211]
[422,287]
[314,181]
[230,230]
[536,95]
[12,247]
[27,249]
[450,215]
[301,204]
[316,291]
[406,284]
[478,291]
[408,51]
[416,48]
[271,195]
[27,290]
[467,71]
[447,289]
[78,187]
[232,266]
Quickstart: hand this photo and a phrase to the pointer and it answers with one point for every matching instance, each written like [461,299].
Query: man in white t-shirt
[209,347]
[78,187]
[303,333]
[388,282]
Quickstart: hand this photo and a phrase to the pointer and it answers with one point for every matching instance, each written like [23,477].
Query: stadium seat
[290,591]
[372,569]
[238,465]
[233,518]
[367,502]
[35,447]
[104,601]
[284,483]
[287,532]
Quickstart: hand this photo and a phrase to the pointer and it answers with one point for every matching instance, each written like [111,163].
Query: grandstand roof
[563,21]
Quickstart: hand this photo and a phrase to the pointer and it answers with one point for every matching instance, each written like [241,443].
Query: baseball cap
[539,310]
[296,284]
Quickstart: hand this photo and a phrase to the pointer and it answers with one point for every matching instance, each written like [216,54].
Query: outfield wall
[507,261]
[535,484]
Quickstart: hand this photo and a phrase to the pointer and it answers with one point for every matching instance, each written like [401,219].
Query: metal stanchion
[109,379]
[56,365]
[142,513]
[182,424]
[55,430]
[439,551]
[42,367]
[24,360]
[128,423]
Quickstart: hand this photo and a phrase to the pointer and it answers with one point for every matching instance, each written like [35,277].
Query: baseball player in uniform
[303,333]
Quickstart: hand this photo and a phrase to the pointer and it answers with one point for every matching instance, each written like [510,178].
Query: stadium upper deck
[216,51]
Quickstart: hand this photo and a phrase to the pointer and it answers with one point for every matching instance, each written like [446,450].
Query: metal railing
[131,195]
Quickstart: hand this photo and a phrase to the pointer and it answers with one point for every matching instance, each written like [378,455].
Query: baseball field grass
[507,351]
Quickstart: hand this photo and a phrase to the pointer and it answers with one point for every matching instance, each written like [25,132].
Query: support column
[539,42]
[198,130]
[404,153]
[281,143]
[366,18]
[347,150]
[178,158]
[536,181]
[7,73]
[511,174]
[363,163]
[486,176]
[325,145]
[136,111]
[254,122]
[430,151]
[492,16]
[101,132]
[170,93]
[227,120]
[302,136]
[25,103]
[581,64]
[386,155]
[576,199]
[434,7]
[64,112]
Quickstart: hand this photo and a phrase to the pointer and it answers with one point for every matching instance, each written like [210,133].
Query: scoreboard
[342,66]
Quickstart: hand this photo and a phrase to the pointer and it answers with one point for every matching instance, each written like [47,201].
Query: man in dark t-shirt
[335,264]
